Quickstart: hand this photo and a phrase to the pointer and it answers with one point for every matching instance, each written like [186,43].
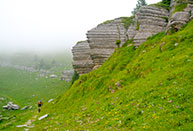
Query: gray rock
[43,117]
[150,20]
[178,19]
[102,40]
[11,106]
[53,76]
[82,62]
[21,126]
[24,108]
[50,100]
[67,75]
[2,99]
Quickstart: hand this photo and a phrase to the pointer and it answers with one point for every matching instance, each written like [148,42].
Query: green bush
[75,77]
[127,21]
[118,43]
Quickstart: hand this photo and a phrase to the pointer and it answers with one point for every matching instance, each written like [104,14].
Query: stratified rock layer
[178,19]
[102,40]
[82,61]
[149,21]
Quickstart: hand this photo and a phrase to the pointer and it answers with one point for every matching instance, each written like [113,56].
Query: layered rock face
[179,18]
[82,62]
[67,75]
[149,20]
[102,40]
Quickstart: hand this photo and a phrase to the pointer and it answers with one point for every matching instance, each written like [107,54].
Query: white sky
[51,24]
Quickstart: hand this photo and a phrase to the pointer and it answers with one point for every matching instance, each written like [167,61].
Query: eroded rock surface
[67,75]
[82,62]
[179,18]
[149,21]
[102,40]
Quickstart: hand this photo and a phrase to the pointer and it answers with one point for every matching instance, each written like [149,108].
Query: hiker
[39,105]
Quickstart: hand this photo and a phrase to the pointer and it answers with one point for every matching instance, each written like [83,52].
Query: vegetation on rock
[139,4]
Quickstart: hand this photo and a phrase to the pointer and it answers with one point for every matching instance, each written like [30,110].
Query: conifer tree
[139,4]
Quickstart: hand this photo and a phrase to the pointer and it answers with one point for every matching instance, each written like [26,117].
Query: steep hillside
[145,88]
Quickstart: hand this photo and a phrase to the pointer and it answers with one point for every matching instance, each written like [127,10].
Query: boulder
[67,75]
[11,106]
[43,117]
[25,107]
[2,99]
[50,100]
[53,76]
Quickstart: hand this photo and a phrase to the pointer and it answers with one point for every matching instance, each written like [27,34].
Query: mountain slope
[145,88]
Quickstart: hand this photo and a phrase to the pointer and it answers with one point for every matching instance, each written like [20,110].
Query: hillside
[148,88]
[25,89]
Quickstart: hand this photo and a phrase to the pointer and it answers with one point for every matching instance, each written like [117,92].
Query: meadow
[26,88]
[144,88]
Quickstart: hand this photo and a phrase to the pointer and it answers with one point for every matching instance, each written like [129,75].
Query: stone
[53,76]
[67,75]
[2,99]
[102,40]
[21,126]
[24,108]
[178,19]
[96,67]
[82,62]
[43,117]
[11,106]
[50,100]
[149,21]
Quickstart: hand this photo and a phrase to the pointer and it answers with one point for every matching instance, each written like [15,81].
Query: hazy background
[49,25]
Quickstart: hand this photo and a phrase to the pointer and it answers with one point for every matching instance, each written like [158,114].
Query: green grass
[148,88]
[127,21]
[165,4]
[180,7]
[25,89]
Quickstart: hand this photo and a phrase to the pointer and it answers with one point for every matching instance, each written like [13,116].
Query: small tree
[118,43]
[139,4]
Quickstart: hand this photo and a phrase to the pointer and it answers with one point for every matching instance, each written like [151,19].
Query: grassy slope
[147,88]
[25,88]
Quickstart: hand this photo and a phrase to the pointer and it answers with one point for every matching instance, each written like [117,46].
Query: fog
[49,25]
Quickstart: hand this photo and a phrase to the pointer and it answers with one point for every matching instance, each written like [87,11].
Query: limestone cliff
[181,11]
[82,62]
[102,39]
[149,20]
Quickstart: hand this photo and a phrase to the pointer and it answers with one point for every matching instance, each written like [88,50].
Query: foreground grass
[25,89]
[149,88]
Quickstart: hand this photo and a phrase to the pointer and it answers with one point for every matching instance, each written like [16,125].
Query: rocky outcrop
[149,21]
[82,62]
[179,17]
[67,75]
[102,39]
[11,106]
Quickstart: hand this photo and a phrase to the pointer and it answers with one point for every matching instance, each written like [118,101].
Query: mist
[52,25]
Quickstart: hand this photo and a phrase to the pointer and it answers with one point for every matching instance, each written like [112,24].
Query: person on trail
[40,103]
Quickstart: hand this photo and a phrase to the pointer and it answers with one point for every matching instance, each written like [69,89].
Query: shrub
[118,43]
[75,77]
